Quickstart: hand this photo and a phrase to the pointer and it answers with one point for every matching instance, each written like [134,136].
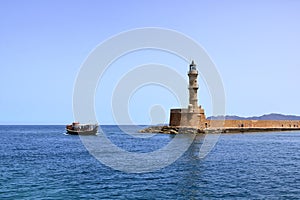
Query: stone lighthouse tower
[193,116]
[193,88]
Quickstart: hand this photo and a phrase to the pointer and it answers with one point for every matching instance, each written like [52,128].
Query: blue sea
[41,162]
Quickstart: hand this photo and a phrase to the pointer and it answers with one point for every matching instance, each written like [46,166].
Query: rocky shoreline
[171,130]
[184,130]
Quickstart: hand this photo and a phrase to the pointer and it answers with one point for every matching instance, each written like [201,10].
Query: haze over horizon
[255,46]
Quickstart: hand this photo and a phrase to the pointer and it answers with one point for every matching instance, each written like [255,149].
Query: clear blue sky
[254,44]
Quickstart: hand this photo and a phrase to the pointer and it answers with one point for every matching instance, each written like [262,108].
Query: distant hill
[272,116]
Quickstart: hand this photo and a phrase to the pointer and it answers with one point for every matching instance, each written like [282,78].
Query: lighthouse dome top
[193,66]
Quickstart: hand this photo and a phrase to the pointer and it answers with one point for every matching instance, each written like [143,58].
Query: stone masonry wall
[184,118]
[256,123]
[181,117]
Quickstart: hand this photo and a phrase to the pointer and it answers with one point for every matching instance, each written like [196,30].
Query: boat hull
[90,132]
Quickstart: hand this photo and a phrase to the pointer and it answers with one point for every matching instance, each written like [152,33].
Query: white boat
[82,129]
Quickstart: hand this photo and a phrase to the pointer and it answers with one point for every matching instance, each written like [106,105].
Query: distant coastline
[272,116]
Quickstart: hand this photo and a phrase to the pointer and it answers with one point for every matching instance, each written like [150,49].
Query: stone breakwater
[170,130]
[184,130]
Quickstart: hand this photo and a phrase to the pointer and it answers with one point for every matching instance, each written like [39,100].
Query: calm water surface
[40,162]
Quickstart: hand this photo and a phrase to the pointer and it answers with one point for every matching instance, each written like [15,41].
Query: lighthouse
[193,88]
[193,115]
